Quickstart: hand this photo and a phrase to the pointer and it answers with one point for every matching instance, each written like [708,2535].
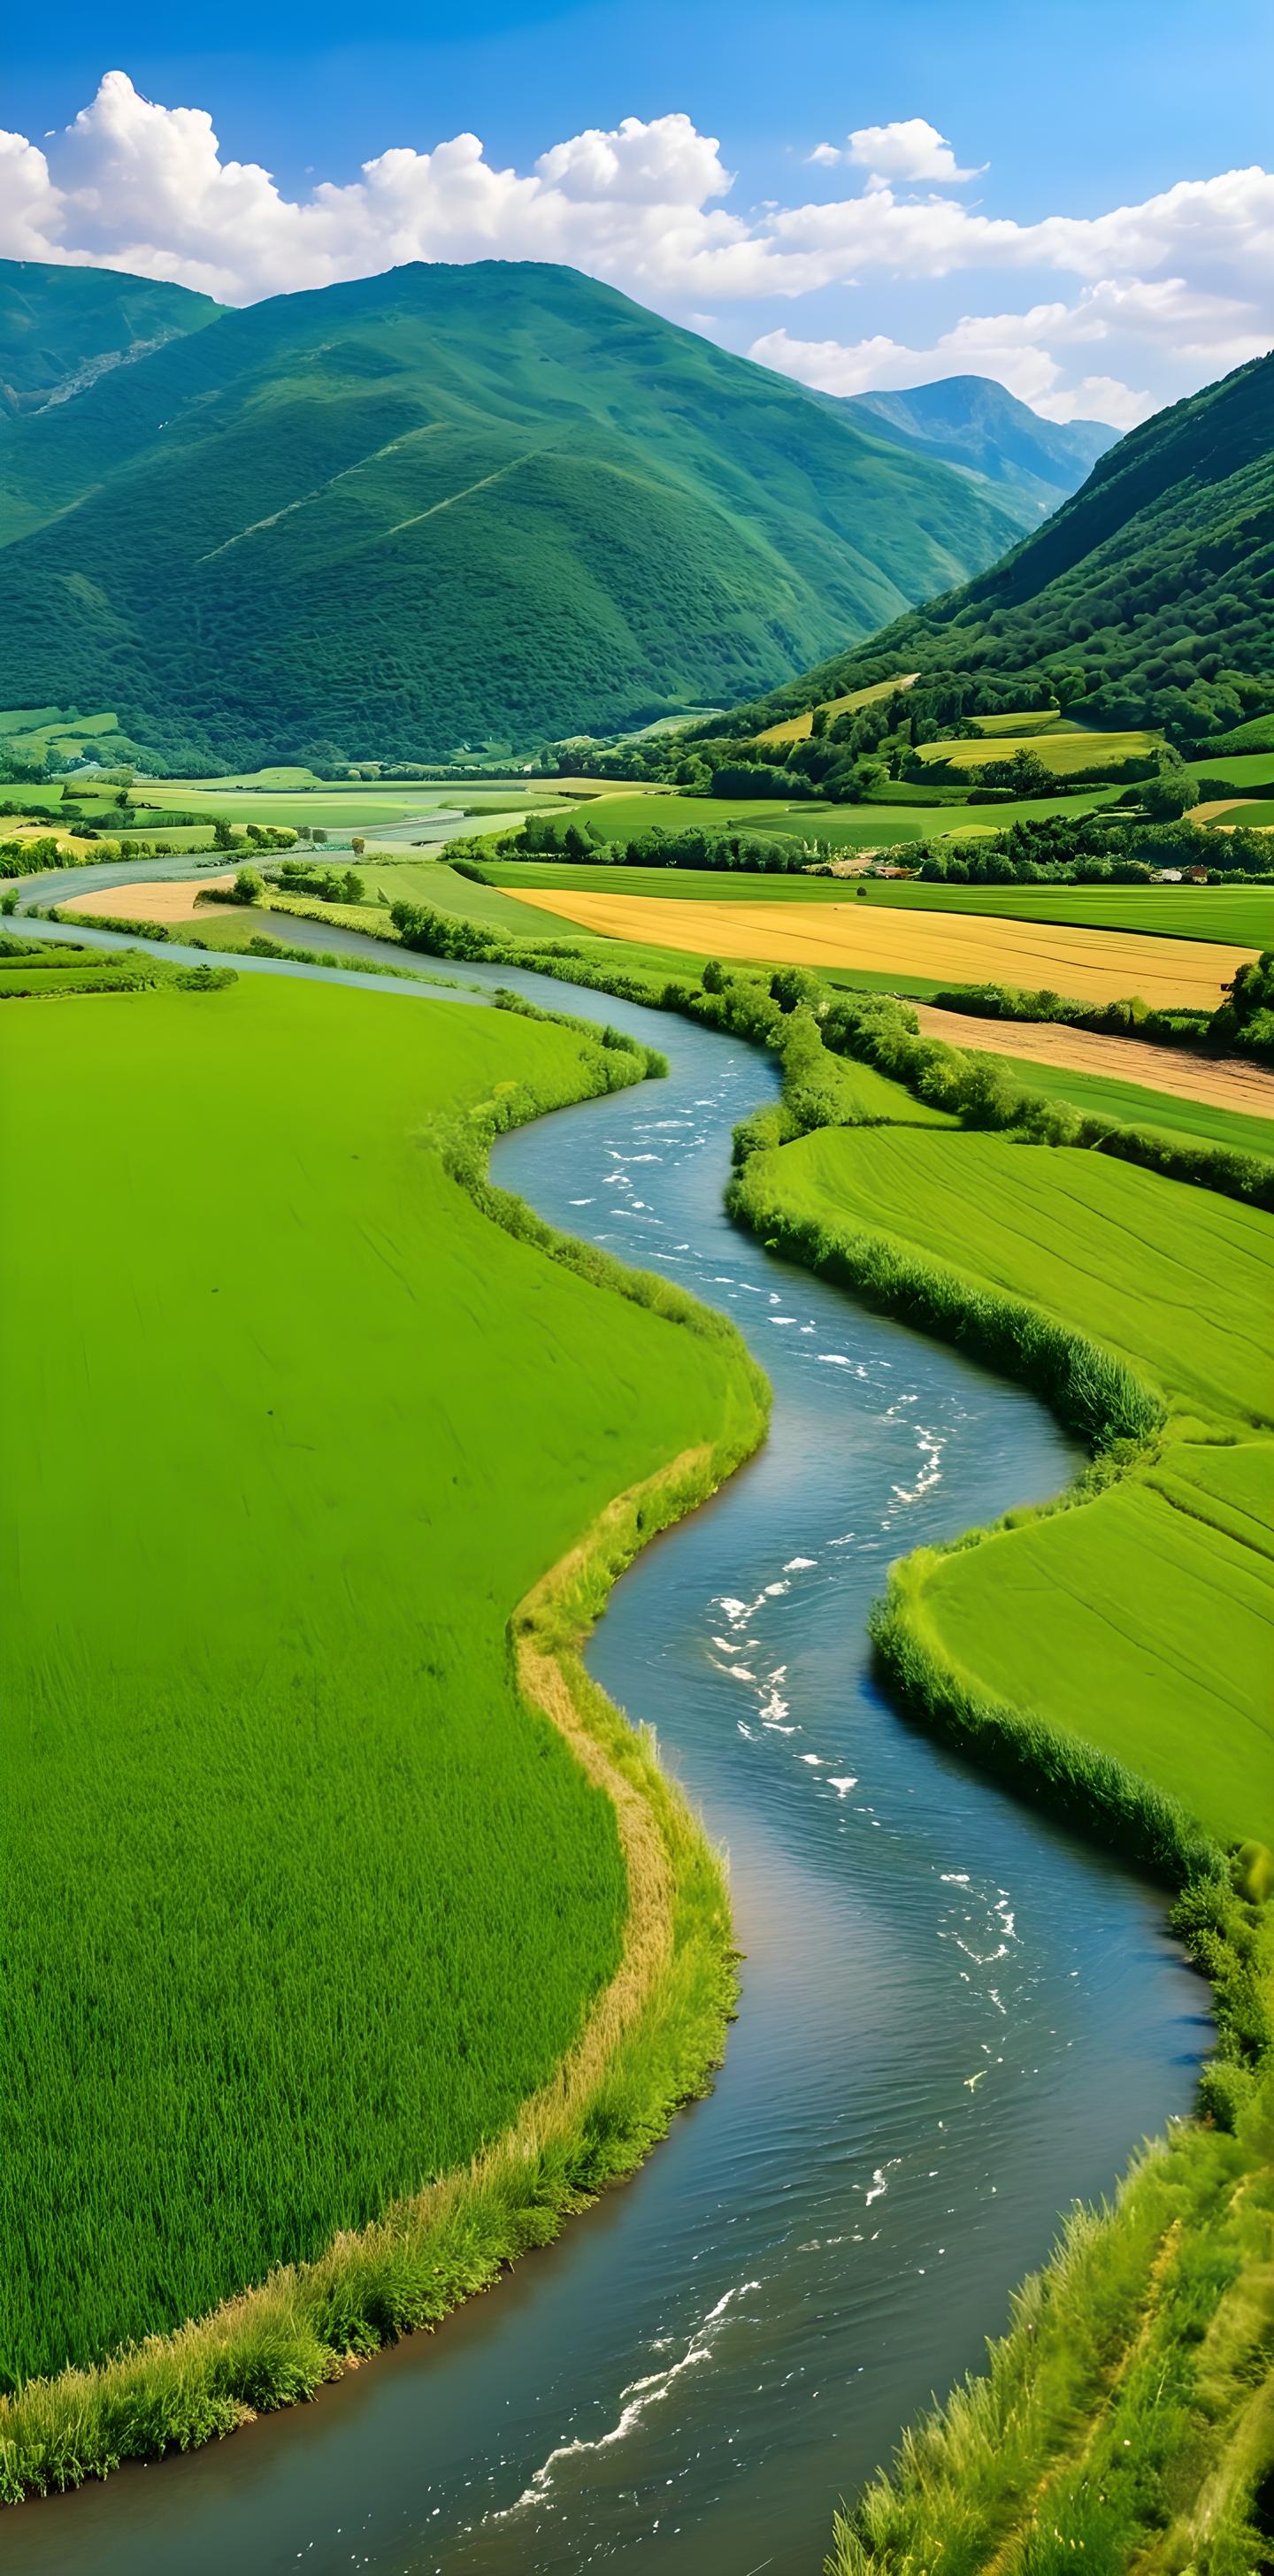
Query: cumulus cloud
[909,149]
[1185,275]
[1009,347]
[1030,352]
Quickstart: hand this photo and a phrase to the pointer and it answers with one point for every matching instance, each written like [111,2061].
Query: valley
[637,1016]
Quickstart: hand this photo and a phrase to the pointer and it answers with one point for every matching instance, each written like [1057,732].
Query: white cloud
[1010,347]
[1181,283]
[909,149]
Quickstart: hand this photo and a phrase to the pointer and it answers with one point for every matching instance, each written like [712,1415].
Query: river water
[954,2017]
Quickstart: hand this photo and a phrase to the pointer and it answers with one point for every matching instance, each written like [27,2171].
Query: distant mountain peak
[975,423]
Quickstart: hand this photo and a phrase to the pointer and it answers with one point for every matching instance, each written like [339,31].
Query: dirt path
[944,947]
[1225,1082]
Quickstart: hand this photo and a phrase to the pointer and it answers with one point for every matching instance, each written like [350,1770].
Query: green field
[1240,916]
[432,881]
[294,1872]
[343,809]
[1254,818]
[1064,752]
[1141,1620]
[846,827]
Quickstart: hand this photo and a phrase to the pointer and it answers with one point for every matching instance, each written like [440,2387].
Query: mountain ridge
[492,502]
[62,326]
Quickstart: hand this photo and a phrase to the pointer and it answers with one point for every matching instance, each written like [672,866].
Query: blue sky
[1057,112]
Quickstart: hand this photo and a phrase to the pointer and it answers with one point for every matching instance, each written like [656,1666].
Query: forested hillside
[62,328]
[1147,599]
[485,504]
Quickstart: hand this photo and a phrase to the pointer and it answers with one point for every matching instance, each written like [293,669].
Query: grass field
[845,827]
[1141,1620]
[302,1898]
[1254,818]
[345,809]
[1094,965]
[1064,752]
[1238,916]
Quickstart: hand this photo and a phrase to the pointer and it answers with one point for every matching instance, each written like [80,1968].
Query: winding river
[954,2016]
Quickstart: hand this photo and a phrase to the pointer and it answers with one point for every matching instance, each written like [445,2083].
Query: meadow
[1240,916]
[1064,751]
[304,1898]
[842,827]
[1103,1618]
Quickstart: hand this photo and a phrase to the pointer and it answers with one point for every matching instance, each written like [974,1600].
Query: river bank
[867,1867]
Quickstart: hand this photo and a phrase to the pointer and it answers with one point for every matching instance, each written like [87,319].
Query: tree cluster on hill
[686,846]
[1089,849]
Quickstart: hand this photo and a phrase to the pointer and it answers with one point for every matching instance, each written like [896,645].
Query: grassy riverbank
[1110,1656]
[318,1880]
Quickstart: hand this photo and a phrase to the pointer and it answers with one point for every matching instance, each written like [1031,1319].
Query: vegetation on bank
[1126,2414]
[274,1888]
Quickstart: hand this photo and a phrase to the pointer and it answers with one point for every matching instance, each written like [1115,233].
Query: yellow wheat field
[945,947]
[168,900]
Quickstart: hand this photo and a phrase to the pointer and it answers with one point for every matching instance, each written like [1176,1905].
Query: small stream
[955,2018]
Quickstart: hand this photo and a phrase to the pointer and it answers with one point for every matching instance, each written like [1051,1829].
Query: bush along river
[954,2019]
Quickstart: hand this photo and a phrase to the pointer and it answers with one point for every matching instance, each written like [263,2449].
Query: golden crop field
[958,948]
[173,900]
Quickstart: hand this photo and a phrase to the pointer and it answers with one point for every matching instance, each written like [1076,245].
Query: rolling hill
[63,327]
[1146,599]
[1029,465]
[495,503]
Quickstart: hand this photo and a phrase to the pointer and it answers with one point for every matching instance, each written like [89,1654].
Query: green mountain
[1030,465]
[496,503]
[1147,599]
[62,328]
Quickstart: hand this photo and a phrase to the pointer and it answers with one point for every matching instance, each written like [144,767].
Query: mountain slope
[1030,464]
[1147,599]
[490,502]
[62,328]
